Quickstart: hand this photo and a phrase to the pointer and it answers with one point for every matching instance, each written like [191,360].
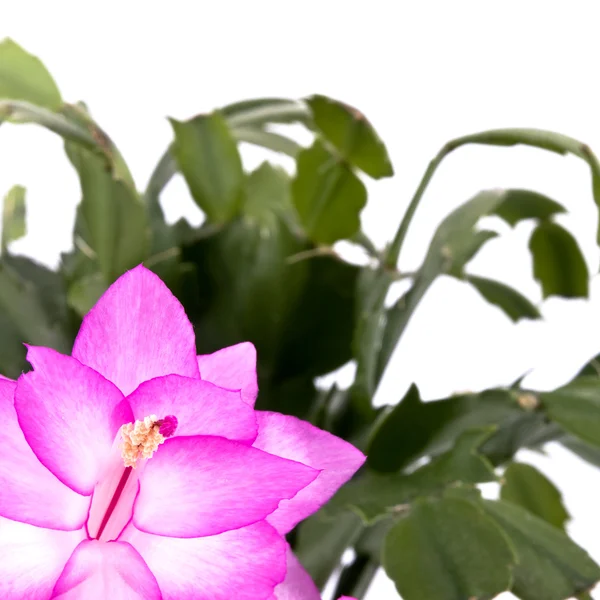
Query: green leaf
[352,135]
[519,205]
[28,304]
[453,244]
[267,196]
[592,368]
[112,215]
[448,550]
[321,543]
[371,292]
[317,340]
[13,216]
[550,566]
[24,77]
[267,139]
[207,155]
[507,299]
[260,111]
[576,407]
[248,290]
[328,196]
[537,138]
[412,428]
[585,451]
[473,243]
[374,496]
[85,292]
[403,432]
[558,263]
[525,486]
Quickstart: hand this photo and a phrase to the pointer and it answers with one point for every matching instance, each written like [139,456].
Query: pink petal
[28,491]
[201,408]
[245,564]
[233,368]
[32,559]
[106,571]
[298,584]
[137,331]
[70,416]
[298,440]
[197,486]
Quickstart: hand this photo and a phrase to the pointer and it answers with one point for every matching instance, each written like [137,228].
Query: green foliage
[262,268]
[526,486]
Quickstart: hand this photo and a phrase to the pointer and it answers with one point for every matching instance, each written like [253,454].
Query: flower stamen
[141,439]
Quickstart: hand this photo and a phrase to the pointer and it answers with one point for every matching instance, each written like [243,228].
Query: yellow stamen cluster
[140,440]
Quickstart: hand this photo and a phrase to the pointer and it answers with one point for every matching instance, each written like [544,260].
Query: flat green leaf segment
[448,549]
[576,407]
[208,157]
[113,219]
[549,565]
[375,496]
[328,196]
[525,486]
[348,130]
[24,77]
[507,299]
[558,263]
[13,216]
[520,205]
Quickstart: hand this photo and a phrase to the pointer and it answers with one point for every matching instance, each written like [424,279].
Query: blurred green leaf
[507,299]
[13,216]
[550,566]
[328,196]
[321,543]
[24,77]
[453,244]
[519,205]
[585,451]
[374,496]
[352,135]
[28,305]
[85,292]
[592,368]
[268,197]
[558,263]
[111,214]
[267,139]
[260,111]
[403,431]
[317,340]
[474,241]
[207,155]
[536,138]
[525,486]
[576,407]
[448,549]
[371,291]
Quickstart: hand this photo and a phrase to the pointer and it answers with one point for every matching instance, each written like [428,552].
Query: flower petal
[70,416]
[233,368]
[32,559]
[197,486]
[298,440]
[28,491]
[298,584]
[245,564]
[137,331]
[201,407]
[101,571]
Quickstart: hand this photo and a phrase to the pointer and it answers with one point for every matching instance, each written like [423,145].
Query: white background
[423,72]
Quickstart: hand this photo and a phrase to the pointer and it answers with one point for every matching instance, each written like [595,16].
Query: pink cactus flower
[135,470]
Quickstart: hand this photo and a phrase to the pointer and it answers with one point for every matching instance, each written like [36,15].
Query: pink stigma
[168,425]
